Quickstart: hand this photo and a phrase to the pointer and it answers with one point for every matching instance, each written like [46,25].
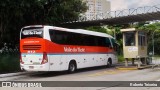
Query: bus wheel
[109,62]
[72,67]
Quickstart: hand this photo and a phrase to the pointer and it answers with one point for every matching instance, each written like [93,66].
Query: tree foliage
[153,33]
[97,29]
[19,13]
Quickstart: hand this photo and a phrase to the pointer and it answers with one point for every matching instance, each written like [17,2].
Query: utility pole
[153,42]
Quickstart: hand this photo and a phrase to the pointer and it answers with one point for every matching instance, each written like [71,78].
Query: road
[91,74]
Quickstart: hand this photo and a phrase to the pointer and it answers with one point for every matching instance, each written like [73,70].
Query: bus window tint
[70,38]
[32,32]
[115,45]
[108,43]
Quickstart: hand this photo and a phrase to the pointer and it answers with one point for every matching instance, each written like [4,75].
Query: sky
[126,4]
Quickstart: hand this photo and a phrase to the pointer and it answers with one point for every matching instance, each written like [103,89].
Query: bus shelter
[134,45]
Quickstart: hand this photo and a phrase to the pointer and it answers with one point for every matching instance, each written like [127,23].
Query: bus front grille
[31,47]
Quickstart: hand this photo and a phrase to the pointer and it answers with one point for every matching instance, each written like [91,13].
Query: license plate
[36,63]
[31,67]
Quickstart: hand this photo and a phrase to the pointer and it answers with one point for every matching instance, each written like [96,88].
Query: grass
[156,57]
[9,63]
[120,58]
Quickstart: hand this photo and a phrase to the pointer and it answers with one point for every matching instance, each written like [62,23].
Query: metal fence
[120,13]
[7,49]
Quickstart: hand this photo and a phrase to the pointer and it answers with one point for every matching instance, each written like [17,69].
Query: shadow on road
[60,73]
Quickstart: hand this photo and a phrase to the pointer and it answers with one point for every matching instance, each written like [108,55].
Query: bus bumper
[43,67]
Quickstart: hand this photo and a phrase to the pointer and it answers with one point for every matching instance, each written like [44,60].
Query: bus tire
[109,62]
[72,67]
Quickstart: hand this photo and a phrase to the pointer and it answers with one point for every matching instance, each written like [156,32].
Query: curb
[127,68]
[12,74]
[133,68]
[143,67]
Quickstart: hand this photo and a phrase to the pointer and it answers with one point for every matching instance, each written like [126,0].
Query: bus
[50,48]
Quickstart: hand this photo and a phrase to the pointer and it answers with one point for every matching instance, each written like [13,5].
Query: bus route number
[31,51]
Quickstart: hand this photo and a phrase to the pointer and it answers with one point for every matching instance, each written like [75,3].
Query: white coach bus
[50,48]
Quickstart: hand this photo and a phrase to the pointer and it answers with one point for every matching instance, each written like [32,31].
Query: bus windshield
[32,32]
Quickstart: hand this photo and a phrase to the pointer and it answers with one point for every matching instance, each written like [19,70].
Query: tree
[152,28]
[97,29]
[15,15]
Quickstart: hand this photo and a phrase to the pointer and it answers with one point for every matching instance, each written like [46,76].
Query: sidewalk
[155,60]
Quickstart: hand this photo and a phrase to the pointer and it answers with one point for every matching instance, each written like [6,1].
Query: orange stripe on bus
[40,45]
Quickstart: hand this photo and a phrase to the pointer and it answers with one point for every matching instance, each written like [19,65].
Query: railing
[121,13]
[9,50]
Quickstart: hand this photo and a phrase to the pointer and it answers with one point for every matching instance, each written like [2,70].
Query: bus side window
[108,42]
[115,45]
[51,35]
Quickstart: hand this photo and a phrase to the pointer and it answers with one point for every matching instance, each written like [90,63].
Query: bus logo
[6,84]
[77,49]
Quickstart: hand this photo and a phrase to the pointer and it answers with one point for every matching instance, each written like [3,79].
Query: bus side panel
[86,60]
[65,61]
[54,62]
[90,60]
[79,58]
[98,59]
[115,59]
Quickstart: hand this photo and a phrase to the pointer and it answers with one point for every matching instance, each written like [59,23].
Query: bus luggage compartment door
[54,62]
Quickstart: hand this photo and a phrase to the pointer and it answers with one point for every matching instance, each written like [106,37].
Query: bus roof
[82,31]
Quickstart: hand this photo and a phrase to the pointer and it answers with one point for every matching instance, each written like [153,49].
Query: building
[96,8]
